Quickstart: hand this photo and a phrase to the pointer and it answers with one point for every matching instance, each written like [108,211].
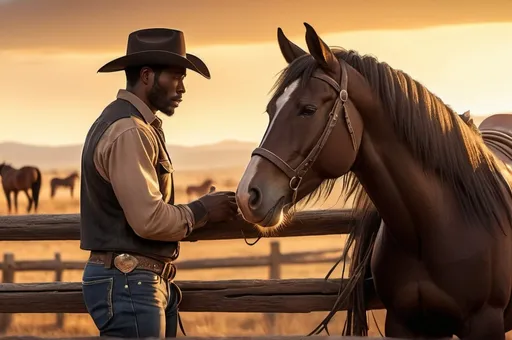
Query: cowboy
[129,221]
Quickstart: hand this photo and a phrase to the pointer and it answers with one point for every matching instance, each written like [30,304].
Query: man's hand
[221,205]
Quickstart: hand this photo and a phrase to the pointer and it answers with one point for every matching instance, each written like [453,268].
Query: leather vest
[103,226]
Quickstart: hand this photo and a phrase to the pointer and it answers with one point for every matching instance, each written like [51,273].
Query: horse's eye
[307,110]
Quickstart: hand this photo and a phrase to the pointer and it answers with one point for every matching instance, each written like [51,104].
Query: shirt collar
[144,110]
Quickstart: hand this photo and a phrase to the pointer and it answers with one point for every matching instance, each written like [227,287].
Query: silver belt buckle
[126,263]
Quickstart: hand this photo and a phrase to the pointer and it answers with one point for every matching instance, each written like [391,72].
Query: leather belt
[126,263]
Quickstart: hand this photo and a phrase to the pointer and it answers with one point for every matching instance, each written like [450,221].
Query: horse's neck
[388,176]
[6,169]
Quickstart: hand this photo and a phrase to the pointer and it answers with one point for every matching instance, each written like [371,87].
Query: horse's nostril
[254,198]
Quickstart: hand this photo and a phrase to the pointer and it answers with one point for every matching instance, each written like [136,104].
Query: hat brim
[157,57]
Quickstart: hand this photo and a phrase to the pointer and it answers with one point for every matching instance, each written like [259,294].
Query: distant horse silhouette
[68,182]
[16,180]
[199,190]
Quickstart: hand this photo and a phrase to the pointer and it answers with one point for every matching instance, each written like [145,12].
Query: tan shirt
[126,156]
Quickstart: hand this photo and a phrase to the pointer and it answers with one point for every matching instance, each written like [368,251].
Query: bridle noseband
[298,173]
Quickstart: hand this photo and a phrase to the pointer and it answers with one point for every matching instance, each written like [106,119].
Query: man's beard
[157,97]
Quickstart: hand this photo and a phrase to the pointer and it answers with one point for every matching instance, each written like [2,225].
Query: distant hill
[227,153]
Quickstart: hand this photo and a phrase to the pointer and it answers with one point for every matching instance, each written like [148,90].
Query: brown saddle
[496,132]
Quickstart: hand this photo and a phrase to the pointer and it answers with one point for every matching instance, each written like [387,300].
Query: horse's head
[3,166]
[311,119]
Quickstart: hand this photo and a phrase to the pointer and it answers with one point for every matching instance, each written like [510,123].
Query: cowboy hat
[157,46]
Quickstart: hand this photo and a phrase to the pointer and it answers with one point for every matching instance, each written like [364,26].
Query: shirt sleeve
[128,164]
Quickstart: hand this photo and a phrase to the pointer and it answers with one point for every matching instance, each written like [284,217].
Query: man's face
[166,90]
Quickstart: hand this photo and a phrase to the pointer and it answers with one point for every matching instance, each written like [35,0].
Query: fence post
[58,277]
[274,274]
[8,270]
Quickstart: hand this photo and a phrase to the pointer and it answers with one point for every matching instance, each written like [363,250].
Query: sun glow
[274,229]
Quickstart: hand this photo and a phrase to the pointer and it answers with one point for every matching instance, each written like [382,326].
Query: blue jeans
[139,304]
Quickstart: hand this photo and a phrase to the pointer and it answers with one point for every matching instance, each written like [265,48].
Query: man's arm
[128,165]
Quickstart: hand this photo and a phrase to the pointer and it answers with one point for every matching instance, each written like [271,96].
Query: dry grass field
[198,324]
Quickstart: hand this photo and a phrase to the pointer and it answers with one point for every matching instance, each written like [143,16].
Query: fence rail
[305,257]
[232,296]
[271,337]
[46,227]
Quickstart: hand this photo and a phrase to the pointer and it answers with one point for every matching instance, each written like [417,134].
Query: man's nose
[181,88]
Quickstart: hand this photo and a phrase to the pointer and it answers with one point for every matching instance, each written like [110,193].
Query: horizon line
[222,141]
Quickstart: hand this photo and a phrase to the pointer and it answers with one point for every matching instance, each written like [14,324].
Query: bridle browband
[298,173]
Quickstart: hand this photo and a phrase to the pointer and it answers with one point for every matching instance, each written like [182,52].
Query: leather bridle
[339,108]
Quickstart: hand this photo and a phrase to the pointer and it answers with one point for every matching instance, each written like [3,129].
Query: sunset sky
[50,51]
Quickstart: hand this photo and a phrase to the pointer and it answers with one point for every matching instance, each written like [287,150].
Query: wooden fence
[275,337]
[273,261]
[258,296]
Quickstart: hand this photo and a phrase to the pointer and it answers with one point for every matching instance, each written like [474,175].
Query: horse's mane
[5,165]
[432,131]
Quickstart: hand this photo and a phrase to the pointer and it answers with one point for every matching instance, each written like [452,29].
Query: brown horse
[16,180]
[432,200]
[199,190]
[68,182]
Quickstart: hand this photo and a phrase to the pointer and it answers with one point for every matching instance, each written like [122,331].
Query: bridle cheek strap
[298,173]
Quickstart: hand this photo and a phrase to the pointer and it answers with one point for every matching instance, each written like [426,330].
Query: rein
[339,108]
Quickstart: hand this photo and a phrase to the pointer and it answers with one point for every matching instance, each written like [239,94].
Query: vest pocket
[165,166]
[98,300]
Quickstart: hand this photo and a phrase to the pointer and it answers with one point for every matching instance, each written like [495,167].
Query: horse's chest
[10,181]
[412,283]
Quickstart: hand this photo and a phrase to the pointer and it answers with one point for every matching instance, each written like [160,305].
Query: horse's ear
[289,50]
[466,117]
[321,51]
